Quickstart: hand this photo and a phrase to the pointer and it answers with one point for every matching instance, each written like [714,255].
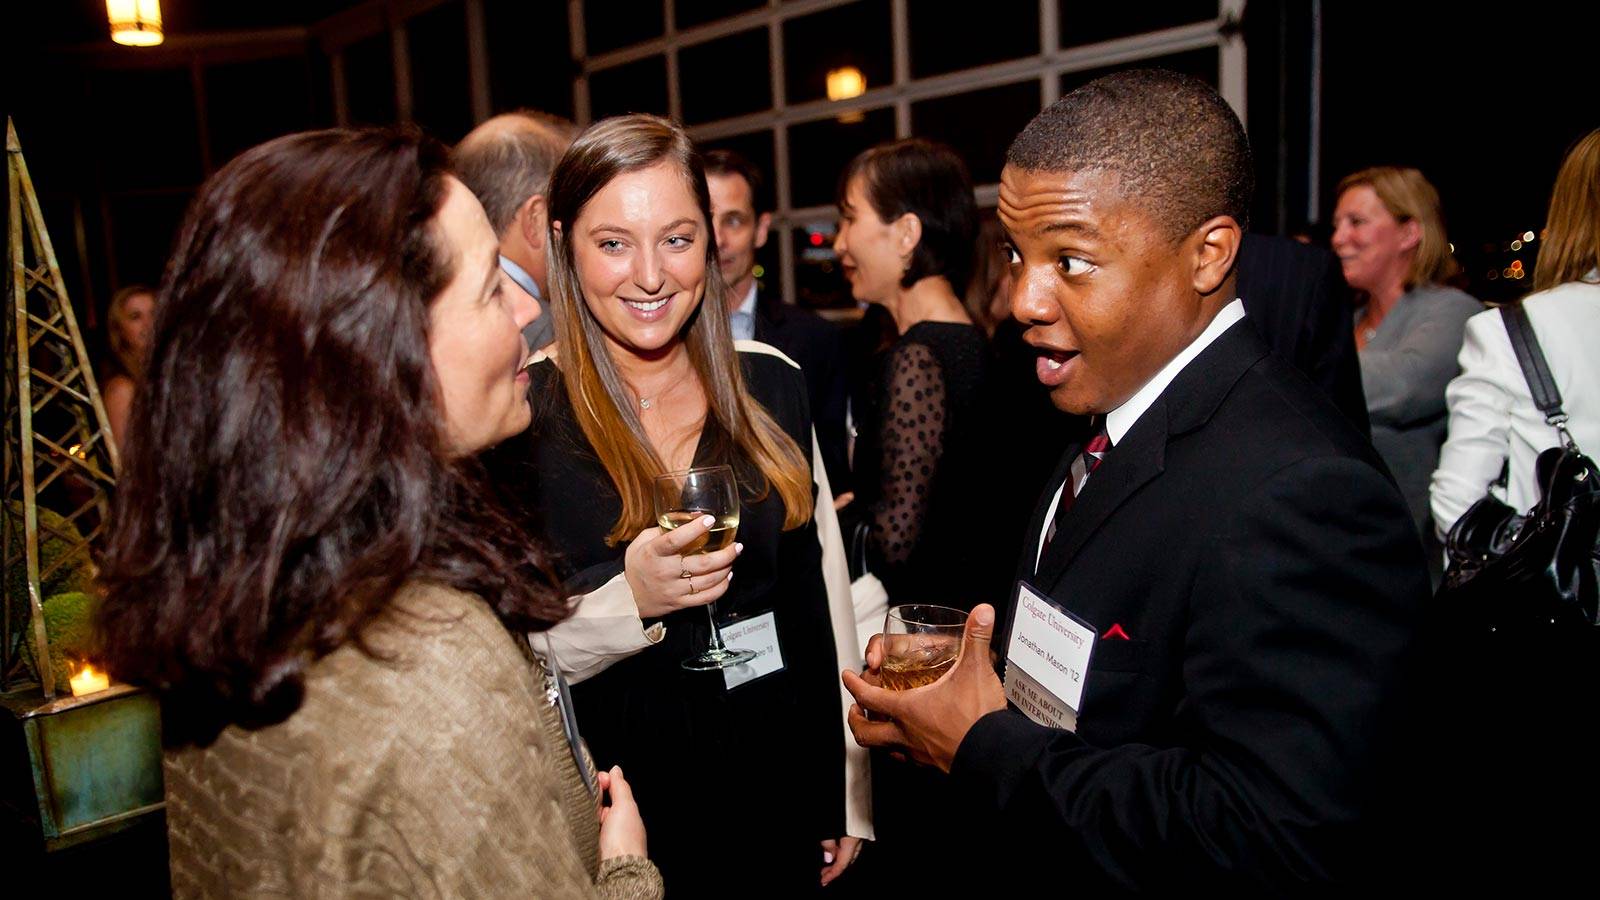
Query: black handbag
[1538,571]
[1510,658]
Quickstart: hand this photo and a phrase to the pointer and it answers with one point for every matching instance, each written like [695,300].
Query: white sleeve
[1479,439]
[841,612]
[604,629]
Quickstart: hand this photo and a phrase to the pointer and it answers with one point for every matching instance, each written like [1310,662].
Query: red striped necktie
[1094,453]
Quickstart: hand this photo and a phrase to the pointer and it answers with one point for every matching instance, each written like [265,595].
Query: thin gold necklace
[650,402]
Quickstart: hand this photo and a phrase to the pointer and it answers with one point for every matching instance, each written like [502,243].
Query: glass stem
[716,633]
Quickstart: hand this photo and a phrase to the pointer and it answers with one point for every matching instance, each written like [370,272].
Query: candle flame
[89,680]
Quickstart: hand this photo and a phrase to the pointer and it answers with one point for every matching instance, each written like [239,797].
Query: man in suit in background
[741,210]
[507,162]
[1296,297]
[1229,545]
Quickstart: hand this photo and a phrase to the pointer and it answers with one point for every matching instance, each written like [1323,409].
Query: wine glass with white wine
[681,498]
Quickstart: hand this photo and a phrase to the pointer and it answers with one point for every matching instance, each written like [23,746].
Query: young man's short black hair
[1176,145]
[729,162]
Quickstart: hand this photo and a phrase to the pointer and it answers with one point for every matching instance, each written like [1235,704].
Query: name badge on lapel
[1047,659]
[759,635]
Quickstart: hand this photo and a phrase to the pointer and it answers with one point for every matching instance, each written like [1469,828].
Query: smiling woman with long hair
[742,778]
[309,570]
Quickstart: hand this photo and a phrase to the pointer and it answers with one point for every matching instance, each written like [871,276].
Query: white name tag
[1047,660]
[759,635]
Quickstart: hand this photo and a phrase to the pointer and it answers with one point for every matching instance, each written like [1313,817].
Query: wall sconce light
[136,23]
[845,83]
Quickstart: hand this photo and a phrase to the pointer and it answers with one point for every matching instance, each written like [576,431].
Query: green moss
[66,571]
[69,625]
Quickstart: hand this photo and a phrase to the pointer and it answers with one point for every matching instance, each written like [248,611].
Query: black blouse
[736,786]
[918,469]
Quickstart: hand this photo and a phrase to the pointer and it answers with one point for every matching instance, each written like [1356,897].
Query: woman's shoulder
[948,340]
[1565,319]
[1578,301]
[770,371]
[119,384]
[545,382]
[438,658]
[1441,299]
[943,345]
[756,355]
[776,382]
[942,330]
[430,637]
[553,416]
[1575,304]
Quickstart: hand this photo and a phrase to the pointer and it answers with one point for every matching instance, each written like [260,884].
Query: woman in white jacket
[1493,419]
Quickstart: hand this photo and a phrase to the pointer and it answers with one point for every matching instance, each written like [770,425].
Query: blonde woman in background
[1493,419]
[129,321]
[1390,239]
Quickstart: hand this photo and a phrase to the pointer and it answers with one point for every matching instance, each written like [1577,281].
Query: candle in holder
[89,680]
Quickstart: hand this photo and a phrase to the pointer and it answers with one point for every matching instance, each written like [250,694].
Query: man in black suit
[1245,562]
[1296,297]
[742,213]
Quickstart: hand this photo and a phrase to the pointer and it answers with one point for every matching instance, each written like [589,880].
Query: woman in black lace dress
[907,225]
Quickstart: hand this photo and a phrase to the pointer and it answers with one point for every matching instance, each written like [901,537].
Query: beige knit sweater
[441,772]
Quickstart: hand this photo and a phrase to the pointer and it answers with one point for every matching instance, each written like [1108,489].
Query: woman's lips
[648,310]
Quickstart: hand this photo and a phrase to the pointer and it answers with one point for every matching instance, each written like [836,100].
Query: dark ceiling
[75,22]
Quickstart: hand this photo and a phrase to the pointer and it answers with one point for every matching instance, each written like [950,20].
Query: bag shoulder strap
[1541,384]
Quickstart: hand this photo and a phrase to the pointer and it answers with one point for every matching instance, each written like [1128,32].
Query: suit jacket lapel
[1127,467]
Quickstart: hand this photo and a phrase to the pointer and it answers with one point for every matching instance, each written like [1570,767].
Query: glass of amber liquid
[920,643]
[681,498]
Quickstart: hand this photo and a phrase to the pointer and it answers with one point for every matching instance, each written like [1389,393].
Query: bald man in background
[507,162]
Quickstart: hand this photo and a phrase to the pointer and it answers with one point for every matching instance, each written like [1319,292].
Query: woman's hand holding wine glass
[708,497]
[656,561]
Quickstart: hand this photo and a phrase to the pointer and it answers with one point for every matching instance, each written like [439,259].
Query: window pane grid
[895,93]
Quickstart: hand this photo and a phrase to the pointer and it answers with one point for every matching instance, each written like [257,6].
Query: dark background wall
[118,139]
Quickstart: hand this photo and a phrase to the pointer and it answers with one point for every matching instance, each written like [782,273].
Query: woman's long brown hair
[1571,248]
[600,400]
[286,473]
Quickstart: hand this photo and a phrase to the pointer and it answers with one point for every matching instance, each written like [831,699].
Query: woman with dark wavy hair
[308,569]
